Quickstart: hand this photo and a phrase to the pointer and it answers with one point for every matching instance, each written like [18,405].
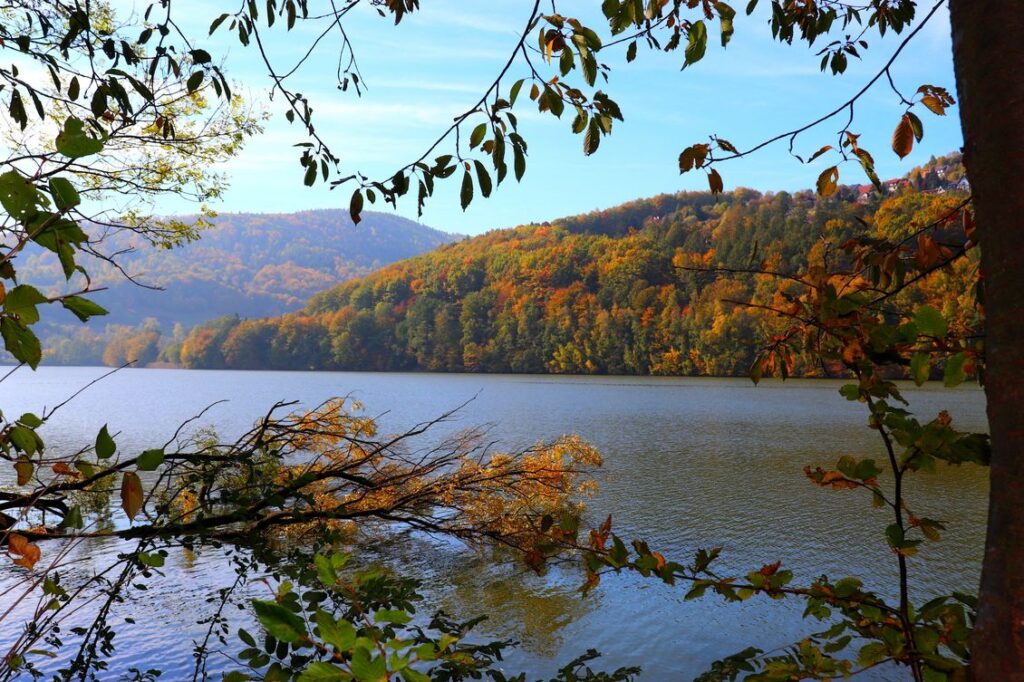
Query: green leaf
[22,301]
[920,368]
[395,616]
[23,439]
[410,675]
[483,179]
[217,22]
[65,196]
[366,668]
[866,469]
[477,136]
[30,420]
[872,654]
[514,92]
[21,342]
[152,559]
[321,671]
[355,206]
[278,621]
[726,15]
[73,141]
[466,194]
[105,446]
[82,308]
[850,391]
[150,460]
[325,570]
[697,43]
[592,139]
[340,634]
[894,534]
[195,80]
[930,322]
[73,519]
[519,161]
[18,196]
[954,374]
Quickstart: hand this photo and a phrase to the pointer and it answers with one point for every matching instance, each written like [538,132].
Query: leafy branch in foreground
[481,138]
[856,313]
[318,473]
[326,621]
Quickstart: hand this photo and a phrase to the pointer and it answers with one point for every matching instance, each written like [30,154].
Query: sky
[439,60]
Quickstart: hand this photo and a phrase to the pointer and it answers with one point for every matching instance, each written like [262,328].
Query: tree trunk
[988,51]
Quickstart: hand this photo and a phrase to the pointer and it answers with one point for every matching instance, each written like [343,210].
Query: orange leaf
[934,105]
[17,543]
[29,552]
[853,352]
[62,469]
[970,228]
[828,181]
[903,137]
[818,153]
[131,494]
[715,182]
[928,252]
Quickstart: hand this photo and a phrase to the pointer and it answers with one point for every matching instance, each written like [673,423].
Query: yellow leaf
[934,105]
[24,469]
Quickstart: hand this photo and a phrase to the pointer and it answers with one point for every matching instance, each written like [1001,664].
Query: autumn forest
[656,286]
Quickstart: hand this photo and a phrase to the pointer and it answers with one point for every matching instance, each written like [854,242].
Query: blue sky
[437,62]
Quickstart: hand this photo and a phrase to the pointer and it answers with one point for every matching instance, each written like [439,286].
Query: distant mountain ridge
[247,264]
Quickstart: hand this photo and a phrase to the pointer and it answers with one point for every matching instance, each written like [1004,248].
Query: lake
[689,463]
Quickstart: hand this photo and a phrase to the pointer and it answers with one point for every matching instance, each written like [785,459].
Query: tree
[989,59]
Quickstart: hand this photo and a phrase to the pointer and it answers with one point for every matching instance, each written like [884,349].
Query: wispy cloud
[428,85]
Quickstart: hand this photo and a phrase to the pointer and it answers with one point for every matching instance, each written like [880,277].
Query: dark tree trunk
[988,51]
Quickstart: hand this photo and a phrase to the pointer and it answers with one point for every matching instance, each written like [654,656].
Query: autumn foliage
[656,286]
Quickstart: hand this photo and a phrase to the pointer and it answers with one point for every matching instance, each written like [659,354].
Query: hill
[246,264]
[598,293]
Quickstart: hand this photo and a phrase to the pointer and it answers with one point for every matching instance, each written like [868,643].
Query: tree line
[611,292]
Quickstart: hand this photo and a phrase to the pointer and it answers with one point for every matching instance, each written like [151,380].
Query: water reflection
[689,463]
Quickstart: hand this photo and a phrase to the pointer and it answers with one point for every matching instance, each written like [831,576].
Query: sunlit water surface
[689,463]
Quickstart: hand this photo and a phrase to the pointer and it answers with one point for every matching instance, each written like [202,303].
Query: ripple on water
[689,463]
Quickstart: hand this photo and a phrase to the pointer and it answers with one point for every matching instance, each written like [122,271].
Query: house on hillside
[894,185]
[864,193]
[964,185]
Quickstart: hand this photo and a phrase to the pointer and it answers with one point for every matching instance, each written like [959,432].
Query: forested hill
[599,293]
[246,264]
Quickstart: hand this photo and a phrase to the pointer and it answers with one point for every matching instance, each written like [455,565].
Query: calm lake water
[689,463]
